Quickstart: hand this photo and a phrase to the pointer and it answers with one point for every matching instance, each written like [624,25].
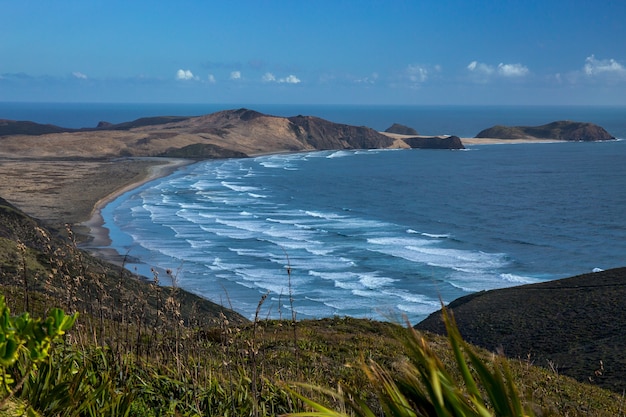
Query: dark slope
[21,127]
[571,324]
[322,134]
[75,280]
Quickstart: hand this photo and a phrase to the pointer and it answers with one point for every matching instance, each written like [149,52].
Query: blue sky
[314,52]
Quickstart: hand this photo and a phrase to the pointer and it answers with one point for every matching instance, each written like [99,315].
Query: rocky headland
[560,130]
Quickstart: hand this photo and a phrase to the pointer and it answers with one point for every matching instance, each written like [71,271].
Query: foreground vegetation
[144,350]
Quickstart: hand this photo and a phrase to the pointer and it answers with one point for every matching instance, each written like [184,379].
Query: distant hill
[142,122]
[401,130]
[576,324]
[561,130]
[17,127]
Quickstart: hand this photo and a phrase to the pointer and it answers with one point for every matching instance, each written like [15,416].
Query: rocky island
[560,130]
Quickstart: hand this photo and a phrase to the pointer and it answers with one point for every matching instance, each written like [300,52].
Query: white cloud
[512,70]
[290,79]
[211,78]
[182,74]
[235,75]
[480,68]
[595,66]
[268,77]
[79,75]
[417,73]
[371,79]
[483,72]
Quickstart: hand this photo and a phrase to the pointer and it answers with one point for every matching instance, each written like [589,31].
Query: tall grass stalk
[423,386]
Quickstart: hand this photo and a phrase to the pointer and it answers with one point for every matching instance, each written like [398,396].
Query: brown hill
[221,134]
[561,130]
[575,325]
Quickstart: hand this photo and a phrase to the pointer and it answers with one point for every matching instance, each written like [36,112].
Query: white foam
[436,236]
[238,187]
[517,279]
[322,215]
[407,296]
[398,241]
[340,154]
[373,280]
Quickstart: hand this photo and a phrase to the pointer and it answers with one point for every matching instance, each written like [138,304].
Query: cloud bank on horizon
[344,52]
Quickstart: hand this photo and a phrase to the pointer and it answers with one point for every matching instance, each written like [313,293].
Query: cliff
[322,134]
[561,130]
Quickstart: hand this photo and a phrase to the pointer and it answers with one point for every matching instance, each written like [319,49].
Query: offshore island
[52,176]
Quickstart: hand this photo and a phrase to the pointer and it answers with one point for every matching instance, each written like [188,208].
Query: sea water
[380,234]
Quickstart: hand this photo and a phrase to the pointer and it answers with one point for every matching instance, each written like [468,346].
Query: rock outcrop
[561,130]
[435,142]
[401,130]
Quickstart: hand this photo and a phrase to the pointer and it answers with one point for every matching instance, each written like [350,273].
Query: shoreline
[99,241]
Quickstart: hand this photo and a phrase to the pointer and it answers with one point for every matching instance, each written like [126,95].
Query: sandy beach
[495,141]
[59,191]
[470,141]
[99,235]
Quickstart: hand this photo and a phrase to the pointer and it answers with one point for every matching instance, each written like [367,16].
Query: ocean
[374,234]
